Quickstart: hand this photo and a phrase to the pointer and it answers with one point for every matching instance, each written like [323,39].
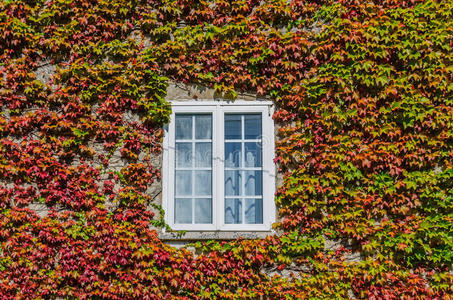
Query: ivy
[364,106]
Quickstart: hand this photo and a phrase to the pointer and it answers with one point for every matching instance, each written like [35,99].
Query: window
[218,171]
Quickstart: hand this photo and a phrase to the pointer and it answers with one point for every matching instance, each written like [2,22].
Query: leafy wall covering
[364,97]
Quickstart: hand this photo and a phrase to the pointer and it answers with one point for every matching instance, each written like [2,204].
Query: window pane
[203,155]
[253,154]
[183,155]
[252,126]
[203,127]
[233,183]
[203,183]
[253,211]
[233,155]
[233,127]
[194,182]
[233,211]
[243,182]
[183,127]
[183,211]
[203,211]
[253,186]
[183,183]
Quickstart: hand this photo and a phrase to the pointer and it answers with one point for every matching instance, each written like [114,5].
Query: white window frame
[218,110]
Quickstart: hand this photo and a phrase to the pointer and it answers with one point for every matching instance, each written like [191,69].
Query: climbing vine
[363,92]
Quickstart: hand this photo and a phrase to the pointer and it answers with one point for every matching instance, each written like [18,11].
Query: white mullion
[244,169]
[267,156]
[243,166]
[235,197]
[192,140]
[243,139]
[198,196]
[219,173]
[262,173]
[261,168]
[193,167]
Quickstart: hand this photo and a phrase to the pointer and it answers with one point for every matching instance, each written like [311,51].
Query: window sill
[215,235]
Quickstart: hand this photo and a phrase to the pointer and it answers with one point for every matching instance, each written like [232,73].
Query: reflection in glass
[183,210]
[253,211]
[252,126]
[233,211]
[183,155]
[183,127]
[233,183]
[233,155]
[253,186]
[202,183]
[203,155]
[193,175]
[246,156]
[233,127]
[183,183]
[253,154]
[203,127]
[203,211]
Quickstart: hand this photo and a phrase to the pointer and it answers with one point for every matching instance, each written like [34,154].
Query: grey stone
[39,208]
[353,257]
[331,245]
[179,92]
[45,71]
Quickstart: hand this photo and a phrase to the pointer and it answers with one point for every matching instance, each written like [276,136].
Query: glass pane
[203,127]
[253,154]
[233,211]
[203,183]
[233,183]
[183,211]
[183,183]
[253,211]
[233,127]
[183,127]
[253,186]
[203,155]
[252,126]
[233,155]
[183,155]
[203,211]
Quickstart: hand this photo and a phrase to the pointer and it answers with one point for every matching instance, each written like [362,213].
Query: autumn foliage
[363,91]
